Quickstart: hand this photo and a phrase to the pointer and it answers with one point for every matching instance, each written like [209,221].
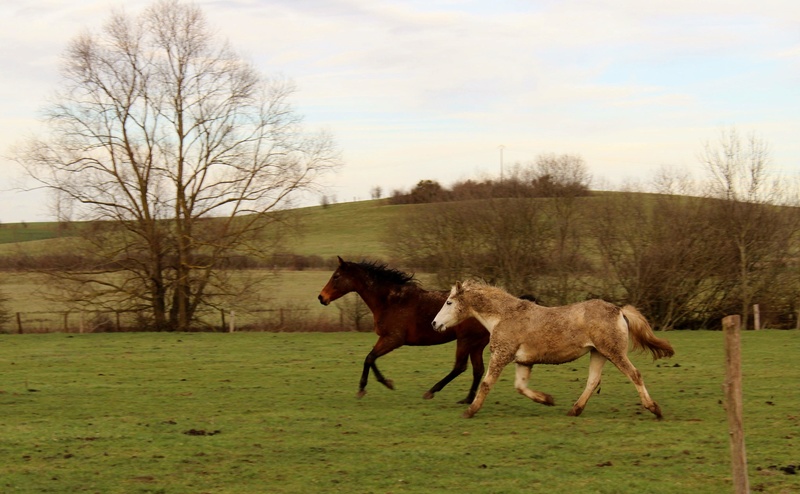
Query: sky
[449,90]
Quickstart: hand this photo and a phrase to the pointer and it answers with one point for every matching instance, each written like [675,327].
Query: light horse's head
[454,311]
[340,284]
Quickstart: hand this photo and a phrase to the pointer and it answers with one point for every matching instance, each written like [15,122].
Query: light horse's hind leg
[626,367]
[596,362]
[521,383]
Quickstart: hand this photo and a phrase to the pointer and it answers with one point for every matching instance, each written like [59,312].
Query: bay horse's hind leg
[521,383]
[626,367]
[462,354]
[476,357]
[382,347]
[466,348]
[596,362]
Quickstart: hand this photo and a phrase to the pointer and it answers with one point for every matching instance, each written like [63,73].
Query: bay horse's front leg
[382,347]
[496,365]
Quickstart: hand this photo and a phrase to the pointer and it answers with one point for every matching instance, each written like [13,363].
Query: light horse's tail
[642,335]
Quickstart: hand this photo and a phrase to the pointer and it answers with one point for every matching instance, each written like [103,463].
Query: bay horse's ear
[341,261]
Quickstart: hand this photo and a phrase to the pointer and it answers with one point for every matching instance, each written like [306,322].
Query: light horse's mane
[380,272]
[478,285]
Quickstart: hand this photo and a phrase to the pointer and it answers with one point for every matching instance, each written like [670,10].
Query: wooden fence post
[733,402]
[756,317]
[19,323]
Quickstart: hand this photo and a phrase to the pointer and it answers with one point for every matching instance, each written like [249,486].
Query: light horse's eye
[449,302]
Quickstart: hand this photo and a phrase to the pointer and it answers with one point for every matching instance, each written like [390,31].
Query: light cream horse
[528,334]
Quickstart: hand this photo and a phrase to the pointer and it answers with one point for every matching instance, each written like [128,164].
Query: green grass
[266,412]
[26,232]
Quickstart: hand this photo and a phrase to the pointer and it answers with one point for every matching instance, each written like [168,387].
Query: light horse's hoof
[575,411]
[656,411]
[468,414]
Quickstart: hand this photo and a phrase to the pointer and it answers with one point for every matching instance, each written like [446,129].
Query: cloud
[430,89]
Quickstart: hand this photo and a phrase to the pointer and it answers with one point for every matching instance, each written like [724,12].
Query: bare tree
[157,128]
[565,179]
[505,241]
[658,253]
[759,234]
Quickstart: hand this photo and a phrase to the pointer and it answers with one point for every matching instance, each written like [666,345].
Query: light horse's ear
[459,287]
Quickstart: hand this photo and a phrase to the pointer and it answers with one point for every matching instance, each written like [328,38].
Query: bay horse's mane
[380,272]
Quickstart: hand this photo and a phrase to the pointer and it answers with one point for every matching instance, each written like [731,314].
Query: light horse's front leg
[382,347]
[497,362]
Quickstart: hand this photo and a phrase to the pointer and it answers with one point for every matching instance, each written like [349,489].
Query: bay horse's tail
[642,335]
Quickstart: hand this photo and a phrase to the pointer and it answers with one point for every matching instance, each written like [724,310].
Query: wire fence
[103,321]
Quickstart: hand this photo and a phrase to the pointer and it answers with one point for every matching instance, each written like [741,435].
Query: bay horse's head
[362,276]
[340,284]
[453,311]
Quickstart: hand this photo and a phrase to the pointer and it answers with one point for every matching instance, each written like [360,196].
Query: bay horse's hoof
[361,393]
[427,396]
[389,383]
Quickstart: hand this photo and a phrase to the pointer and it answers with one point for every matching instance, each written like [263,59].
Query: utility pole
[501,147]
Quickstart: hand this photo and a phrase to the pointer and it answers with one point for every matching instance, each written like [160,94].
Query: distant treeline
[428,191]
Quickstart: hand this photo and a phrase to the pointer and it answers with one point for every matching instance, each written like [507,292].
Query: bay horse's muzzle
[322,299]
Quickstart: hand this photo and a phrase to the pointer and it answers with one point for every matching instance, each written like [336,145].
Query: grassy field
[276,412]
[353,229]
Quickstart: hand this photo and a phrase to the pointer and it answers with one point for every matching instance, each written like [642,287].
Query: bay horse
[402,311]
[527,334]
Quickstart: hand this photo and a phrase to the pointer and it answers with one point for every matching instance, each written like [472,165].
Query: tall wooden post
[756,317]
[731,325]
